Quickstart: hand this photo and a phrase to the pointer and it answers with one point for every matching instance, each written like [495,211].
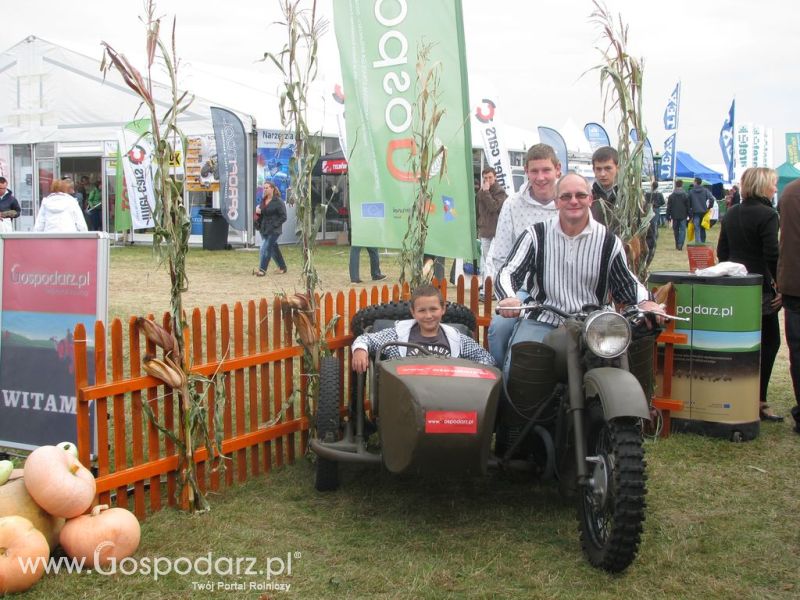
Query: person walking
[270,216]
[700,200]
[789,284]
[678,213]
[374,264]
[749,235]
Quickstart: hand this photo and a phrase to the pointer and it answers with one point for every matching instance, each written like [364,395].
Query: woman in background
[749,236]
[270,216]
[60,211]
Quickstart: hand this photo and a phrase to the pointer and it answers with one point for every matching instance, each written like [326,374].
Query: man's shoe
[765,414]
[355,282]
[380,277]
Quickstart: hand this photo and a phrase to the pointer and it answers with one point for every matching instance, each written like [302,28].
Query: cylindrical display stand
[717,373]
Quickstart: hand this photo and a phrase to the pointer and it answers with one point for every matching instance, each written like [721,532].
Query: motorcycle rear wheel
[612,508]
[327,471]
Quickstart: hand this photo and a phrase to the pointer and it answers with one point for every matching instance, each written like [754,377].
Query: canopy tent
[688,167]
[53,94]
[787,173]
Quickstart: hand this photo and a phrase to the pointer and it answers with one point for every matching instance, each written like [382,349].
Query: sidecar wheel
[327,471]
[611,507]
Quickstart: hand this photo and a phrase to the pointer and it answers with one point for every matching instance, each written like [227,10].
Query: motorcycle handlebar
[566,315]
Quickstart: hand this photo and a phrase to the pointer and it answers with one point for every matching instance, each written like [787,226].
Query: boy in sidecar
[425,329]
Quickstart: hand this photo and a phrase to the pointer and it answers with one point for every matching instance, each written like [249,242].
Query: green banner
[122,211]
[378,42]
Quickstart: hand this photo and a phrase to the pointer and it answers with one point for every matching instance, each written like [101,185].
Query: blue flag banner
[671,112]
[232,162]
[726,140]
[648,166]
[596,135]
[552,138]
[667,171]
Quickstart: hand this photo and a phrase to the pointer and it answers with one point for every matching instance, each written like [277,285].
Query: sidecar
[433,415]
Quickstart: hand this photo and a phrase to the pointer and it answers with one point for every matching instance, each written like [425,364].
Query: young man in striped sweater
[569,262]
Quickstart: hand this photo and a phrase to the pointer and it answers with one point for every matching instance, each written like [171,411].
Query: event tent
[688,167]
[787,173]
[53,94]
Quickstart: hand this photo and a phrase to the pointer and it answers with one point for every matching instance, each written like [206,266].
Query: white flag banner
[137,153]
[768,160]
[485,118]
[743,152]
[757,146]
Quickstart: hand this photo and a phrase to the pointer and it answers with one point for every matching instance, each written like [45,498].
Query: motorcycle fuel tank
[437,415]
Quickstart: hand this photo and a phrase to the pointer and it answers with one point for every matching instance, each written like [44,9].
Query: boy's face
[428,312]
[606,173]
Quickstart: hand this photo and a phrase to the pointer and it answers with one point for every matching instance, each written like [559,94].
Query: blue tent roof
[689,168]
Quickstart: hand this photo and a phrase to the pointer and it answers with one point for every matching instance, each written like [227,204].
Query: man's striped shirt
[569,272]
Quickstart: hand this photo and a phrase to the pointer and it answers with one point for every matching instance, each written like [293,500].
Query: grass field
[719,519]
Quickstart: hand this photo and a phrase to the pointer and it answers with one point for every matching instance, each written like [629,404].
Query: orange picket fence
[252,352]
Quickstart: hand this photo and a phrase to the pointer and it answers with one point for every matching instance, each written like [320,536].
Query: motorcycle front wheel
[611,506]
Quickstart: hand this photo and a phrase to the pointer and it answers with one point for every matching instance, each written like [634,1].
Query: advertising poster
[202,171]
[275,149]
[136,150]
[232,163]
[378,45]
[49,285]
[793,149]
[720,361]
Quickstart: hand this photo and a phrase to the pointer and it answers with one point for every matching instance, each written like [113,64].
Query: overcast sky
[532,51]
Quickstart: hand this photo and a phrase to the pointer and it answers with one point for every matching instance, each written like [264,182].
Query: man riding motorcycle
[567,262]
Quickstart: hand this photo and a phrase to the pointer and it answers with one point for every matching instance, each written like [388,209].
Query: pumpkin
[6,467]
[15,500]
[103,535]
[21,544]
[58,482]
[69,447]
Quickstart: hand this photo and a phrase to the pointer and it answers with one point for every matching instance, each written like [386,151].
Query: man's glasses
[566,196]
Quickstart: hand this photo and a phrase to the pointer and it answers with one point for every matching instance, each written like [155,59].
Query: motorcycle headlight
[607,333]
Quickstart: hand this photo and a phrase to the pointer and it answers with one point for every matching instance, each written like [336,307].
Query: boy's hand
[360,360]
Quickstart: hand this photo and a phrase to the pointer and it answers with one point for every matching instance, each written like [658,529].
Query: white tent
[52,94]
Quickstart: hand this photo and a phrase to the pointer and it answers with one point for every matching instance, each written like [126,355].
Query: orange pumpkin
[103,535]
[58,482]
[21,545]
[15,500]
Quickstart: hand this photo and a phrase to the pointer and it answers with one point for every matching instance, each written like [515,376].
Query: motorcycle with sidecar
[570,410]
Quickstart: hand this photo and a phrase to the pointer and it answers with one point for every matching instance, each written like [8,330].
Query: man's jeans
[679,228]
[792,330]
[504,331]
[699,230]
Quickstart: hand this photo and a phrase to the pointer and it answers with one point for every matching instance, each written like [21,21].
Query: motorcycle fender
[620,392]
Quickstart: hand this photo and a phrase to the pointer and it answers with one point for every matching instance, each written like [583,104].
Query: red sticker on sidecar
[446,371]
[451,421]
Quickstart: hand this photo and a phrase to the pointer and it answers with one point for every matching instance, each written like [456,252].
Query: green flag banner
[122,210]
[378,42]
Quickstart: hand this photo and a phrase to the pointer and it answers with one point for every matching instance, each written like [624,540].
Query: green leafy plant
[428,160]
[621,78]
[171,243]
[297,62]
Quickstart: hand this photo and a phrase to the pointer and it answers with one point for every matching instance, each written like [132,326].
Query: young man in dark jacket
[678,213]
[700,202]
[789,284]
